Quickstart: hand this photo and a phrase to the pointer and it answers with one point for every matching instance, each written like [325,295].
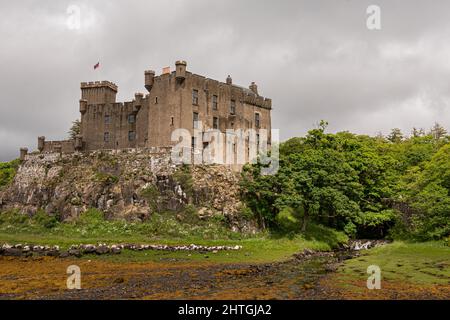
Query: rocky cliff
[125,184]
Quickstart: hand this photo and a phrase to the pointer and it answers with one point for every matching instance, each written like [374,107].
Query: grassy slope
[419,263]
[164,229]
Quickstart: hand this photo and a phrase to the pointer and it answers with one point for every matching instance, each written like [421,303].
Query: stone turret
[23,153]
[180,70]
[41,143]
[149,79]
[229,80]
[83,106]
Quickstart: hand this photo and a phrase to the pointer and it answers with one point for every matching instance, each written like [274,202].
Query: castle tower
[98,92]
[149,79]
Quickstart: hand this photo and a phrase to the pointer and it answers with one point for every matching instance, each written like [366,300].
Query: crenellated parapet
[99,84]
[97,92]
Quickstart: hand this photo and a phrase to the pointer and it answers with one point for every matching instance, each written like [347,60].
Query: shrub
[183,177]
[43,219]
[286,220]
[7,172]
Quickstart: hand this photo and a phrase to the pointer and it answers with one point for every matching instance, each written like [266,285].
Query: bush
[287,221]
[7,172]
[41,218]
[151,194]
[91,217]
[183,177]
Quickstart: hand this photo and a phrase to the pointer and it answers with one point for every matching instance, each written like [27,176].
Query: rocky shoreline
[29,250]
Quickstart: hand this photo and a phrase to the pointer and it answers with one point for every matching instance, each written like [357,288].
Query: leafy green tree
[360,184]
[438,132]
[75,129]
[395,136]
[417,132]
[431,197]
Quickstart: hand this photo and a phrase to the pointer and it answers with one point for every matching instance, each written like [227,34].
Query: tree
[417,132]
[360,184]
[75,129]
[430,197]
[318,183]
[438,132]
[395,136]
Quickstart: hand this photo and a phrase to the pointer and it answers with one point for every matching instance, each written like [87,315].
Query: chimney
[254,87]
[166,70]
[229,80]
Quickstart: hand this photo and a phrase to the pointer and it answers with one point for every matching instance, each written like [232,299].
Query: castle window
[195,97]
[257,120]
[131,135]
[107,118]
[195,120]
[156,100]
[193,142]
[171,121]
[233,107]
[215,123]
[106,137]
[214,102]
[131,118]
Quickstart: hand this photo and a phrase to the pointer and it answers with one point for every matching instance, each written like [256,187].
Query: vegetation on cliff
[7,172]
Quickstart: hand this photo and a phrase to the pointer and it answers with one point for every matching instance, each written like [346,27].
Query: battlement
[99,84]
[96,92]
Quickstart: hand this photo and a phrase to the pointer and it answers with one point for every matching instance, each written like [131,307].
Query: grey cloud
[315,59]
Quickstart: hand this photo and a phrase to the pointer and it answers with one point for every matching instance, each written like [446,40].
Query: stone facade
[174,100]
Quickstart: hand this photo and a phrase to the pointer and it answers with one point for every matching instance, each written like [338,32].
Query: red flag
[97,65]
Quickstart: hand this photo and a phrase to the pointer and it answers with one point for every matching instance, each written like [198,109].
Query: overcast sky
[315,59]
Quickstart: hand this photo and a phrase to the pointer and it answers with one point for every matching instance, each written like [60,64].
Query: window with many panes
[195,120]
[195,97]
[131,118]
[233,107]
[131,135]
[107,118]
[106,137]
[215,104]
[215,123]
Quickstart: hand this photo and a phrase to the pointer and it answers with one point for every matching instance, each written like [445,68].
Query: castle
[177,99]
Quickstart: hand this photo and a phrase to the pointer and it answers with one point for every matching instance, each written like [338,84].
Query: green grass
[91,227]
[421,263]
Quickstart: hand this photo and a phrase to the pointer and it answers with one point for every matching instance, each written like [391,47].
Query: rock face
[125,184]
